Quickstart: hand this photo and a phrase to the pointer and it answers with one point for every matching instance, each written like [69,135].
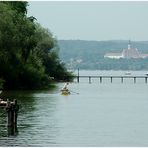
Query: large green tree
[28,52]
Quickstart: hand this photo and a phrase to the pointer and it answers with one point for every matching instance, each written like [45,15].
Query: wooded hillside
[90,54]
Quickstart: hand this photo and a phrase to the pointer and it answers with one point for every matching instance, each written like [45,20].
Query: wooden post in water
[78,76]
[89,79]
[145,79]
[111,79]
[16,108]
[12,110]
[100,79]
[134,79]
[121,79]
[9,114]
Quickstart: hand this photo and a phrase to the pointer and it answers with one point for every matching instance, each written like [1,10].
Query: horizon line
[106,40]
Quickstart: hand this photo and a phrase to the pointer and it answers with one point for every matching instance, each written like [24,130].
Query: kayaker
[65,86]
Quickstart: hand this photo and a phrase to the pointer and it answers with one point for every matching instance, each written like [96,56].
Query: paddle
[74,92]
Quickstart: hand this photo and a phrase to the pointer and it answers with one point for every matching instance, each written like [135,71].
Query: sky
[93,20]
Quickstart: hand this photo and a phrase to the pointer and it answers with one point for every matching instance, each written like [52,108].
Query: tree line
[28,52]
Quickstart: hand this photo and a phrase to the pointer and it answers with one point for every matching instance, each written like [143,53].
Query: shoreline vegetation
[28,52]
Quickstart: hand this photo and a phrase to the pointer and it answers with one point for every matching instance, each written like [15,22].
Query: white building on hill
[113,55]
[126,53]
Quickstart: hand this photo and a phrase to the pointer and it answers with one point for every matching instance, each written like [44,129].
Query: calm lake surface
[96,114]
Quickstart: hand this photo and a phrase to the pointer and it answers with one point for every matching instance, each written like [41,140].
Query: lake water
[96,114]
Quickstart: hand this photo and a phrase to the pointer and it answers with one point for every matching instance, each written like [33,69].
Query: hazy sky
[93,20]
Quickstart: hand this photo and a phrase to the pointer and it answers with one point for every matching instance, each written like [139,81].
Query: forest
[28,52]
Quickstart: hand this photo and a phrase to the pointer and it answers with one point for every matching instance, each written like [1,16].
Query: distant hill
[90,54]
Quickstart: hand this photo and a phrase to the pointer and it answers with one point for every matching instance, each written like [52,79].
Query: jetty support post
[145,79]
[89,79]
[15,108]
[9,114]
[100,79]
[121,79]
[78,79]
[111,79]
[134,79]
[78,76]
[12,111]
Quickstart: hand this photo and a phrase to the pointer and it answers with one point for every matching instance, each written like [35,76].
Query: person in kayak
[65,86]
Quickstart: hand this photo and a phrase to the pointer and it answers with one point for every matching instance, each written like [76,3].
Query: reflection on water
[107,114]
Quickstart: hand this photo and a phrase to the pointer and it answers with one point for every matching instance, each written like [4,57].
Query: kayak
[65,92]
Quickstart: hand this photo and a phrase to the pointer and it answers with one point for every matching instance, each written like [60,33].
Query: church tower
[129,45]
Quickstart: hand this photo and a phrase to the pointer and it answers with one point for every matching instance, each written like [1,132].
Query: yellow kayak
[65,92]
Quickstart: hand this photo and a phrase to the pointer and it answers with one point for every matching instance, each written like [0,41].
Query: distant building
[144,55]
[126,53]
[113,55]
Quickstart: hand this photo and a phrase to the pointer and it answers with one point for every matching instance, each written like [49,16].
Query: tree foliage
[28,52]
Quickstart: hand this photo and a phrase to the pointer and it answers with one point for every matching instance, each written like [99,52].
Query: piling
[111,79]
[145,79]
[12,113]
[78,76]
[121,79]
[78,79]
[134,79]
[100,79]
[89,79]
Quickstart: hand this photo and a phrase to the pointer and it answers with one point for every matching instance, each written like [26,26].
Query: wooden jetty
[100,78]
[12,111]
